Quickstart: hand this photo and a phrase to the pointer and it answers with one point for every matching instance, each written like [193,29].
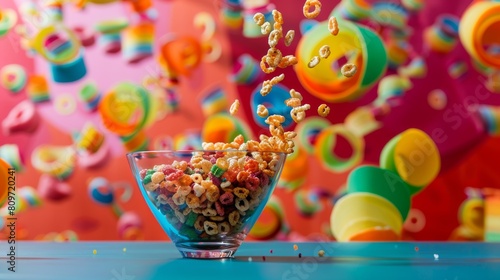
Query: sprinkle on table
[321,253]
[436,257]
[295,247]
[124,249]
[300,255]
[94,252]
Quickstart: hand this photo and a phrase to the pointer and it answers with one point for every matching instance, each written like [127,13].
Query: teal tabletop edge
[253,260]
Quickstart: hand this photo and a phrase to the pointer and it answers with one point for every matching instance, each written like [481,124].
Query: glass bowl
[206,201]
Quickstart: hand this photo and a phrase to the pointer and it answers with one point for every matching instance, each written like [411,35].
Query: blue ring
[96,195]
[275,104]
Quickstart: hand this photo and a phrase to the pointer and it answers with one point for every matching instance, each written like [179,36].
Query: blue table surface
[254,260]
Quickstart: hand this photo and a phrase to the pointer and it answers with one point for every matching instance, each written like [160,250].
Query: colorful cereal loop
[325,143]
[307,202]
[471,214]
[442,36]
[127,221]
[437,99]
[12,155]
[417,68]
[90,96]
[38,88]
[57,161]
[101,191]
[458,69]
[54,9]
[89,140]
[30,195]
[490,115]
[390,14]
[137,42]
[413,5]
[392,87]
[354,10]
[110,38]
[231,15]
[13,77]
[246,70]
[214,101]
[8,18]
[415,222]
[493,82]
[189,140]
[65,104]
[397,53]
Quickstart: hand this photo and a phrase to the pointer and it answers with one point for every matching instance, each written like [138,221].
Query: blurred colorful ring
[308,131]
[326,140]
[270,222]
[45,35]
[478,28]
[101,191]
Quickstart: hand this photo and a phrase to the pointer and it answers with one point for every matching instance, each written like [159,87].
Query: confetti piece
[264,258]
[436,257]
[124,249]
[271,251]
[416,249]
[94,252]
[300,255]
[295,247]
[321,253]
[250,259]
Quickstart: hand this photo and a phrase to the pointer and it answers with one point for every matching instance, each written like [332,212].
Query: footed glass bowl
[206,201]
